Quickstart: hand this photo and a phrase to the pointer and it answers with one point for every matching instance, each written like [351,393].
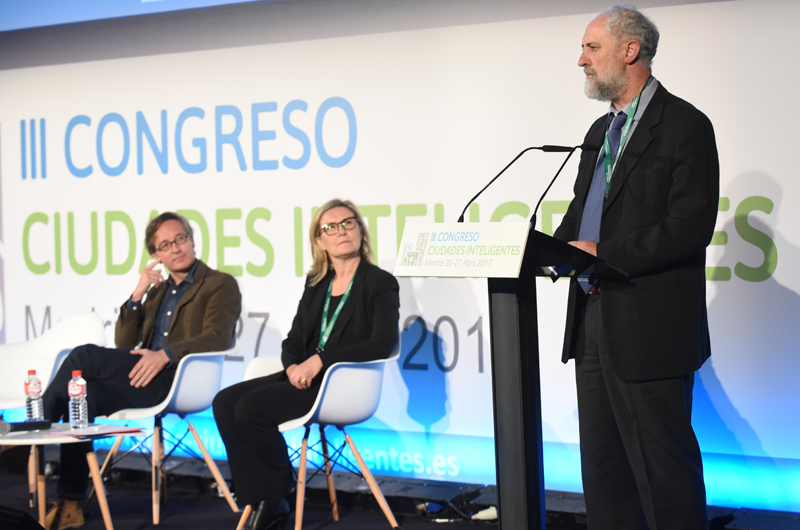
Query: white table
[38,439]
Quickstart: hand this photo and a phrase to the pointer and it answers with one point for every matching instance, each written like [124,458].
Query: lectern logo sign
[415,253]
[453,250]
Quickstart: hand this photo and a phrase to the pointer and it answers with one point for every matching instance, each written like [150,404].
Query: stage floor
[130,506]
[192,502]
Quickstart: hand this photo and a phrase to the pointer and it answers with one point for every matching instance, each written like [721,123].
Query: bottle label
[33,387]
[75,389]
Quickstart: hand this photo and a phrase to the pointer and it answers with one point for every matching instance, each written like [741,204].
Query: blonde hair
[321,262]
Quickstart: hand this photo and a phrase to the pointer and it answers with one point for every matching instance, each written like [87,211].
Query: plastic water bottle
[78,408]
[33,397]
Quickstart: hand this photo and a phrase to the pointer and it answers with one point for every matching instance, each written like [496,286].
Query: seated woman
[349,312]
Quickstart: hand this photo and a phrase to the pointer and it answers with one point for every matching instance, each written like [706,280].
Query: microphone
[546,149]
[6,427]
[582,147]
[565,149]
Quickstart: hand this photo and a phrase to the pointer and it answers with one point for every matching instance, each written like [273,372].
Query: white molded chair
[197,381]
[350,393]
[45,354]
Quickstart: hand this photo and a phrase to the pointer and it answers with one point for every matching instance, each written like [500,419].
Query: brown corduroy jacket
[204,321]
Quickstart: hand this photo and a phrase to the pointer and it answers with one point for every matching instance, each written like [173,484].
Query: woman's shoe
[268,515]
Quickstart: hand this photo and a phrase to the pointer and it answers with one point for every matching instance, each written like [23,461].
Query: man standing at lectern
[647,204]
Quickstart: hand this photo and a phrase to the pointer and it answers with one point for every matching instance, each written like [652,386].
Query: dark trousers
[248,415]
[640,458]
[108,390]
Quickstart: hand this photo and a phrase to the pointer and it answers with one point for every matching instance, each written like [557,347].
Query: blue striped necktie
[593,209]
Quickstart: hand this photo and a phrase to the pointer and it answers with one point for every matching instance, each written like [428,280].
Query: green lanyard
[609,169]
[325,329]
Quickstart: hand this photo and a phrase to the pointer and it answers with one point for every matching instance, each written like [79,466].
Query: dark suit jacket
[204,321]
[657,221]
[367,327]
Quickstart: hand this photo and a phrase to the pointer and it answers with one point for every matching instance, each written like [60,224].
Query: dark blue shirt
[166,311]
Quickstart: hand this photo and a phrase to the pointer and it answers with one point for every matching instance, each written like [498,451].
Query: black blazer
[657,221]
[367,327]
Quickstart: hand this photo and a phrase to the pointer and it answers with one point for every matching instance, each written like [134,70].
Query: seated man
[194,310]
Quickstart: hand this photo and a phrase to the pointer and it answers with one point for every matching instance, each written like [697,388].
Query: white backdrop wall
[246,141]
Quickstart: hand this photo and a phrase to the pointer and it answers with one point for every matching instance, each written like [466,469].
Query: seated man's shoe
[268,515]
[65,514]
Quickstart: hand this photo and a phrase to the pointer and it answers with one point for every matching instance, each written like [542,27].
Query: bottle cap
[76,373]
[31,372]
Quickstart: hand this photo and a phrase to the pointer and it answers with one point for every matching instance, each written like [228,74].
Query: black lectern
[514,336]
[515,377]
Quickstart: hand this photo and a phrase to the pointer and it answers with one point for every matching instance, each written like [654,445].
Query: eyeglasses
[167,245]
[333,229]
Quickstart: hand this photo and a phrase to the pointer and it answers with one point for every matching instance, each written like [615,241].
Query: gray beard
[608,89]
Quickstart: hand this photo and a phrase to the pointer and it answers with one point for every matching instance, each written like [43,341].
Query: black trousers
[108,390]
[640,458]
[248,415]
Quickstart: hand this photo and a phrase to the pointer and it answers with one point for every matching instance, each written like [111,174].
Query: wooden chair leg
[214,470]
[376,490]
[91,458]
[301,484]
[329,474]
[163,476]
[112,454]
[40,468]
[32,477]
[156,458]
[36,480]
[245,515]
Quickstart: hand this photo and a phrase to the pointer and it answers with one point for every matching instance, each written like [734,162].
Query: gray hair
[626,22]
